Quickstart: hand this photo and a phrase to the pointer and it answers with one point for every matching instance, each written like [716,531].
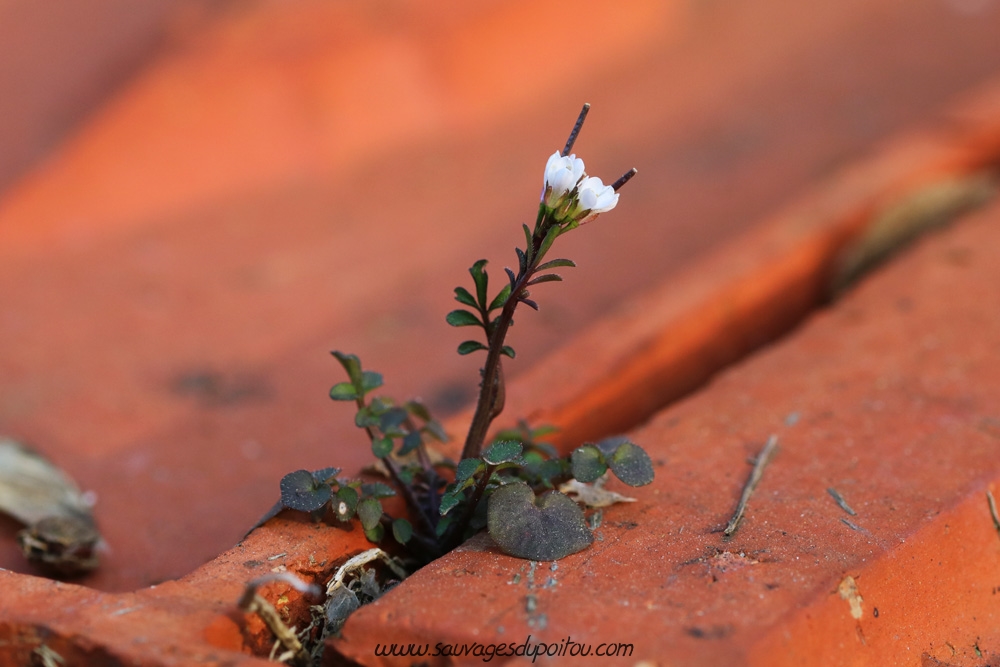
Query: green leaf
[587,463]
[344,391]
[382,447]
[435,429]
[376,534]
[391,420]
[500,299]
[325,475]
[547,278]
[442,525]
[369,511]
[418,409]
[467,468]
[402,530]
[370,380]
[364,418]
[551,469]
[377,490]
[462,318]
[480,278]
[550,238]
[470,346]
[541,529]
[555,263]
[502,452]
[299,491]
[411,441]
[348,496]
[463,296]
[527,240]
[449,500]
[522,260]
[631,464]
[351,364]
[508,350]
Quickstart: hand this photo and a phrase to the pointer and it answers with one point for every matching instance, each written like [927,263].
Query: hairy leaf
[545,528]
[449,500]
[402,530]
[348,496]
[299,491]
[631,464]
[467,468]
[587,463]
[369,511]
[502,452]
[325,475]
[522,260]
[375,534]
[555,263]
[546,278]
[381,447]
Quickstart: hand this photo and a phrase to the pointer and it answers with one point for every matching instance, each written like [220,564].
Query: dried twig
[840,501]
[993,510]
[755,475]
[252,603]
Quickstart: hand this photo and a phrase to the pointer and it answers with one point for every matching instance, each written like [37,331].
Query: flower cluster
[570,195]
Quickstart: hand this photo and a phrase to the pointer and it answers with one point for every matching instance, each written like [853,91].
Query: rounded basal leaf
[382,447]
[502,452]
[462,318]
[344,391]
[467,468]
[348,496]
[375,534]
[369,511]
[631,464]
[299,491]
[545,528]
[587,463]
[402,530]
[470,346]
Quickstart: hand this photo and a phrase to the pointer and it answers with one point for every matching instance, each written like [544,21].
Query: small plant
[507,485]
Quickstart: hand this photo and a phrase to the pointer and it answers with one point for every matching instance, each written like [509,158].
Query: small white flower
[562,174]
[593,199]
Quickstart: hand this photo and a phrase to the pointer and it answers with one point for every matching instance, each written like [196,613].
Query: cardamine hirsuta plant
[507,485]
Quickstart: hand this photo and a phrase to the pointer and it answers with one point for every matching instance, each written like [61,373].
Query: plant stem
[457,529]
[408,496]
[490,389]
